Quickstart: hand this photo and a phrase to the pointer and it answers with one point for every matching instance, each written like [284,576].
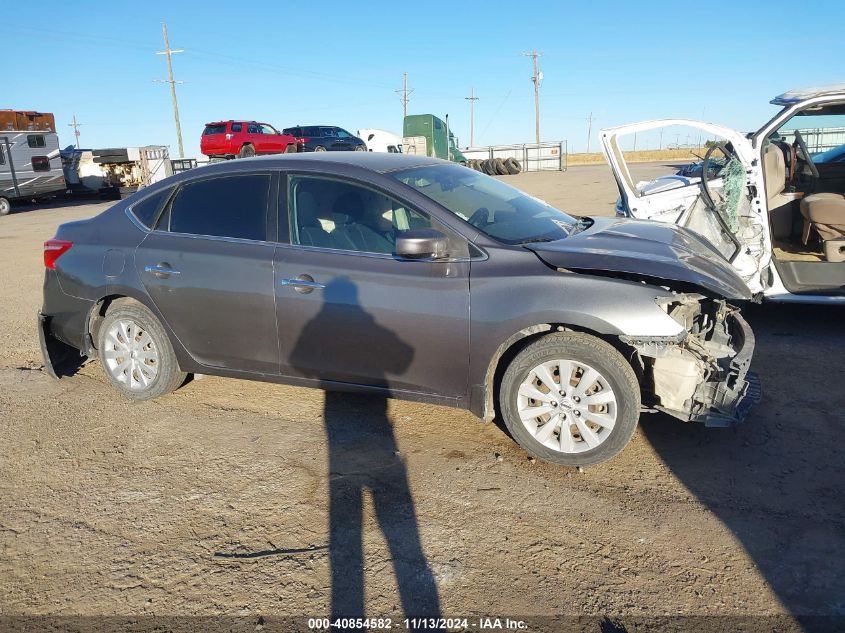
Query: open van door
[717,198]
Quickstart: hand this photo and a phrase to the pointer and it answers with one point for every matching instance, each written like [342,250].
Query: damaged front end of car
[703,374]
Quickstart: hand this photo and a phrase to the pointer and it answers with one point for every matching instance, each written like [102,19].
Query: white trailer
[30,166]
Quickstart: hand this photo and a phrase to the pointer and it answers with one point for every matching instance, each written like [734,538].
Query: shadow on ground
[776,482]
[364,455]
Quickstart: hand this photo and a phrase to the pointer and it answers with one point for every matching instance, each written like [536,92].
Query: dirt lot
[215,499]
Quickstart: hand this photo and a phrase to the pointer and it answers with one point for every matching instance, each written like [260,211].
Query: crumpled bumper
[730,400]
[60,359]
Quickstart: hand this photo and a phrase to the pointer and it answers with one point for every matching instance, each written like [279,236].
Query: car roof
[380,162]
[791,97]
[236,121]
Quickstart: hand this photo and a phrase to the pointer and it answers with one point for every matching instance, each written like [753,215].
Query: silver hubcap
[130,355]
[567,406]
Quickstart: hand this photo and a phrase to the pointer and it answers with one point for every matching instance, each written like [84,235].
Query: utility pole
[589,130]
[536,78]
[404,94]
[168,52]
[75,125]
[472,99]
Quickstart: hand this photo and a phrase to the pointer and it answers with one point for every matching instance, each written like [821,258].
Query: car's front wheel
[136,354]
[570,398]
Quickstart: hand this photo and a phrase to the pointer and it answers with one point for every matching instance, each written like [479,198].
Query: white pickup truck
[771,201]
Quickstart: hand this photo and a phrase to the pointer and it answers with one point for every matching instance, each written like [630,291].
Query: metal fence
[819,139]
[532,157]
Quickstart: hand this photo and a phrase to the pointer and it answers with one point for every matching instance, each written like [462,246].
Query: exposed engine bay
[702,377]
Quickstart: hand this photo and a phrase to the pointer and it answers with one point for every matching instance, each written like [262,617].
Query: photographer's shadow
[363,455]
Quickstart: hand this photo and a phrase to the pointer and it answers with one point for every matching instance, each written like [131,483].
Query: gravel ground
[214,500]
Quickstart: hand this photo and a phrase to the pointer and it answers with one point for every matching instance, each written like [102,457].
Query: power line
[405,94]
[589,130]
[472,99]
[75,125]
[168,52]
[536,78]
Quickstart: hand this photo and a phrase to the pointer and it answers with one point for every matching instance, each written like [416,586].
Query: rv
[30,164]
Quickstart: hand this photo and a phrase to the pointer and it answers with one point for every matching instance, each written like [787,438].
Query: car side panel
[511,292]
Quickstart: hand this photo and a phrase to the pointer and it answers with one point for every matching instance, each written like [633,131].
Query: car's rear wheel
[136,354]
[246,151]
[360,148]
[570,398]
[290,148]
[5,206]
[319,148]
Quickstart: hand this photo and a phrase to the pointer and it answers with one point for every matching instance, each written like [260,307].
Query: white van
[381,140]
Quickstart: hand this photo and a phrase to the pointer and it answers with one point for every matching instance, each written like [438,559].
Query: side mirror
[421,244]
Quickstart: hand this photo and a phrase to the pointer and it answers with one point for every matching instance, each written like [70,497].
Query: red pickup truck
[228,139]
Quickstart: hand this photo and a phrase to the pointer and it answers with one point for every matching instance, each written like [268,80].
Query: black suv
[323,138]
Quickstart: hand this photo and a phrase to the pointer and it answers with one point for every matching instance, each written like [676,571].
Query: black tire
[5,206]
[168,376]
[499,165]
[319,148]
[513,166]
[247,151]
[360,148]
[581,348]
[125,192]
[489,167]
[290,148]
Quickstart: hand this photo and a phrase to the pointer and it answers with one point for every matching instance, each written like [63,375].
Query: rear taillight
[301,141]
[53,249]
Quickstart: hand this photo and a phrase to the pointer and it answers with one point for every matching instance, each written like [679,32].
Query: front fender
[506,308]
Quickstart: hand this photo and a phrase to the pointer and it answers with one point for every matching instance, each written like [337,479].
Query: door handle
[303,284]
[162,271]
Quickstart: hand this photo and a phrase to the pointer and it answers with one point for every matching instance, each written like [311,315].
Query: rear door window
[229,206]
[146,210]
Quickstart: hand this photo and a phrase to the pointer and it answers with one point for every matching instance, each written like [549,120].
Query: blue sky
[340,63]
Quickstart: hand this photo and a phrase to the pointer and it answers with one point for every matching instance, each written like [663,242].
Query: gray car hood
[644,247]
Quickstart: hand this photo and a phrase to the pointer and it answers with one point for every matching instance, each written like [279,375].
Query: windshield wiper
[532,240]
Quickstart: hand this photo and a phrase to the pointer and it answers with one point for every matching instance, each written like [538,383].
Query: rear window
[217,128]
[147,209]
[293,131]
[35,140]
[229,206]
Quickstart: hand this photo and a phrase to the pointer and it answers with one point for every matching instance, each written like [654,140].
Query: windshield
[499,210]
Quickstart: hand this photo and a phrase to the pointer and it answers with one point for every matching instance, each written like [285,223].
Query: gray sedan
[408,277]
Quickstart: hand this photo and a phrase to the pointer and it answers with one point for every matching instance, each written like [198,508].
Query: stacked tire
[496,166]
